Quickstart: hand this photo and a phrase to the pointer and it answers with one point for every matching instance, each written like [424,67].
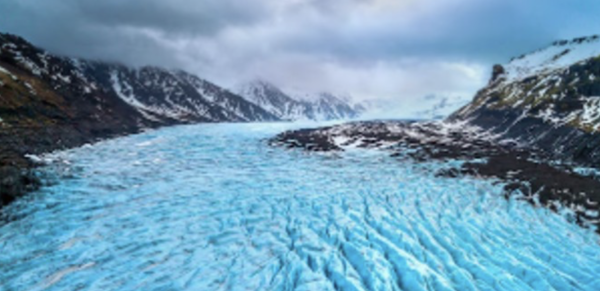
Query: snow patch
[558,56]
[7,72]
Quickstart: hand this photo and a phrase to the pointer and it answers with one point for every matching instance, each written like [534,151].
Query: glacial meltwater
[214,207]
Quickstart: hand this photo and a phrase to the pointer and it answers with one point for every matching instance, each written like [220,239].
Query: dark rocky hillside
[49,102]
[548,100]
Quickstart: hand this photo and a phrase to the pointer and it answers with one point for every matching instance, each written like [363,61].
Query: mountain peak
[320,106]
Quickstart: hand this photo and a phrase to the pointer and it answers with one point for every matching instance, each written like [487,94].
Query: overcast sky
[396,50]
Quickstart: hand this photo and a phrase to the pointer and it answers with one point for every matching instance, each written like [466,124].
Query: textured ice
[212,207]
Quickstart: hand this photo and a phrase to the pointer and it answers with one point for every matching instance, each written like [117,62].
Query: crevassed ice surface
[212,207]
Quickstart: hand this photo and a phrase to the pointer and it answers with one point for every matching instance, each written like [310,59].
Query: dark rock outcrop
[497,71]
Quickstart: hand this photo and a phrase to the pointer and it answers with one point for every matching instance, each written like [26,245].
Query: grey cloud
[173,17]
[457,29]
[487,31]
[135,32]
[388,48]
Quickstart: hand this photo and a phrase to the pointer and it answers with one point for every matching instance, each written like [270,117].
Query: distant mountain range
[318,107]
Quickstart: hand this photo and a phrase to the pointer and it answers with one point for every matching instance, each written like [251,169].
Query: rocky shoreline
[541,180]
[18,174]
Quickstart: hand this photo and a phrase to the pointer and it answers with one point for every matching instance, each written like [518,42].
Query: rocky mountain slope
[318,107]
[548,100]
[50,102]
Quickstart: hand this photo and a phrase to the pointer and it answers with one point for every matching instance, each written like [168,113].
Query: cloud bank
[373,49]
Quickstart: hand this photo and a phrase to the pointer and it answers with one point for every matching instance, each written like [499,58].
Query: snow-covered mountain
[275,101]
[158,96]
[321,106]
[328,106]
[548,99]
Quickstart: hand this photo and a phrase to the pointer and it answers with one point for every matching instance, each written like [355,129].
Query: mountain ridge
[317,107]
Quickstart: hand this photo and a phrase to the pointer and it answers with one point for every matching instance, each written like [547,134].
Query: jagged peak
[298,106]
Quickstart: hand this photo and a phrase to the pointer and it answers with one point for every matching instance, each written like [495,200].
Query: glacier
[213,207]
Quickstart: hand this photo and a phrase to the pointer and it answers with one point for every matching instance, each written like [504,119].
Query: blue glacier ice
[213,207]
